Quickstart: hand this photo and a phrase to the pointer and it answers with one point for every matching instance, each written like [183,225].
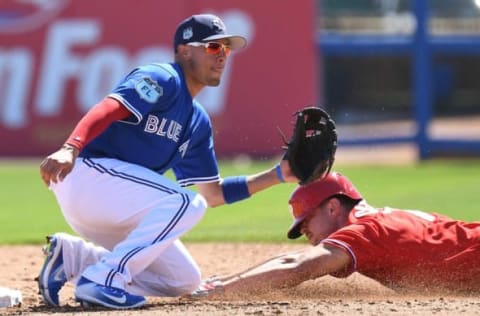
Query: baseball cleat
[52,276]
[89,293]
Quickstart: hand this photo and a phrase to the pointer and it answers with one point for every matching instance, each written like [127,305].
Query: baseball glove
[311,149]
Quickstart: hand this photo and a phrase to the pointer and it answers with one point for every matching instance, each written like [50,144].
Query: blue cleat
[52,276]
[89,293]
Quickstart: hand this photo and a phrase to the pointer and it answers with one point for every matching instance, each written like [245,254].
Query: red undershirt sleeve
[97,119]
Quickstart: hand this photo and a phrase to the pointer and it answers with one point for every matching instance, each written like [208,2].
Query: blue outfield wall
[421,47]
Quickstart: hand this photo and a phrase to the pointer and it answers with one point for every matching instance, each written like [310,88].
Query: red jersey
[407,248]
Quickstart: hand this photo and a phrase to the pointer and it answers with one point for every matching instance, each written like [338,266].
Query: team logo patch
[148,90]
[187,33]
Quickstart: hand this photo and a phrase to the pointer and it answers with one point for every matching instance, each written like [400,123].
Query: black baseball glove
[311,149]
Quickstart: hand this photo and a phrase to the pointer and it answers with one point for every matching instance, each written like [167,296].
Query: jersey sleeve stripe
[344,246]
[132,109]
[190,181]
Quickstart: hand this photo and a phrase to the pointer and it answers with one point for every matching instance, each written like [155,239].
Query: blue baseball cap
[204,28]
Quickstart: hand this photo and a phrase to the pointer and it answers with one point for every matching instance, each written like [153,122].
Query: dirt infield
[355,295]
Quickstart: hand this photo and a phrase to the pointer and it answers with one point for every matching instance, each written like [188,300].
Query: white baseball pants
[136,217]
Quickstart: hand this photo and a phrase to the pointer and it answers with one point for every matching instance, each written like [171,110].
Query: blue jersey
[166,130]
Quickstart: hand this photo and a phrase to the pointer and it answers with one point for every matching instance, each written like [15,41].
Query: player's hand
[287,173]
[207,288]
[55,167]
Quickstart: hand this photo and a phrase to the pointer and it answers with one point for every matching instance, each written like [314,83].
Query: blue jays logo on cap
[187,33]
[203,28]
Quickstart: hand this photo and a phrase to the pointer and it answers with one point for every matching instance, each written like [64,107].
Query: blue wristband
[278,170]
[235,189]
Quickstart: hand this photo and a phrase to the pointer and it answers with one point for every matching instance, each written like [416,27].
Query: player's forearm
[262,180]
[288,270]
[262,283]
[270,177]
[237,188]
[273,274]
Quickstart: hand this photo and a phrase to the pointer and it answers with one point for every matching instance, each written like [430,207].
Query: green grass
[29,210]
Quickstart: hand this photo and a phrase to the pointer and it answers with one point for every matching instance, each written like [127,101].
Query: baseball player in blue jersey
[109,183]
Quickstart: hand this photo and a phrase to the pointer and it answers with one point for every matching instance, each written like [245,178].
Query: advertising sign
[58,58]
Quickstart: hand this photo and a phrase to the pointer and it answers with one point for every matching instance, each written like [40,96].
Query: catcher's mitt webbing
[311,149]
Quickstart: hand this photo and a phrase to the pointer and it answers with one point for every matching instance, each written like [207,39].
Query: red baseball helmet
[306,198]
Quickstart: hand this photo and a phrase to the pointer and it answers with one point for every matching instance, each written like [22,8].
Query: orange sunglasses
[213,48]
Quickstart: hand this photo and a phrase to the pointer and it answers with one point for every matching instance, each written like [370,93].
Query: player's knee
[186,284]
[197,207]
